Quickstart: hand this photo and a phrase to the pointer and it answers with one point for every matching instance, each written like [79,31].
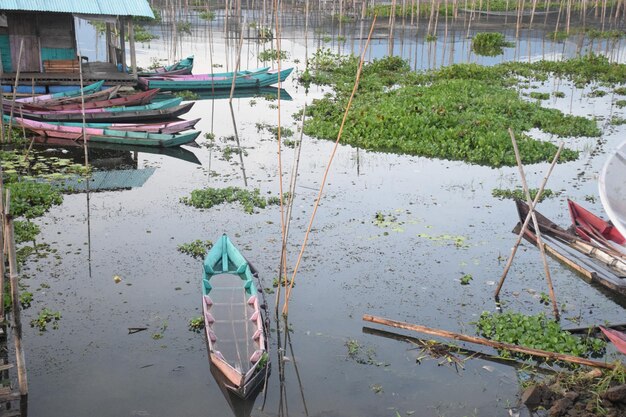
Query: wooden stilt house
[45,32]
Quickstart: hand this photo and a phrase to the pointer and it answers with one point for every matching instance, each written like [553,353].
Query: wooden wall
[46,36]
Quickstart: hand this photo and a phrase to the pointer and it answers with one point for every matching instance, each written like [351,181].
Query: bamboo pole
[529,200]
[332,155]
[487,342]
[15,299]
[2,251]
[509,262]
[590,275]
[17,79]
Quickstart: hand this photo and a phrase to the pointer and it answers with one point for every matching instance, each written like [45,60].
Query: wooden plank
[23,27]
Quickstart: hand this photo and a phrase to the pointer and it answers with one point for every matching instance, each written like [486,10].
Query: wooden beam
[487,342]
[15,298]
[110,54]
[131,40]
[123,42]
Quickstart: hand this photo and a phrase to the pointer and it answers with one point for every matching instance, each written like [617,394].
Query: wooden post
[15,299]
[131,41]
[123,42]
[487,342]
[17,79]
[509,262]
[2,253]
[109,46]
[536,224]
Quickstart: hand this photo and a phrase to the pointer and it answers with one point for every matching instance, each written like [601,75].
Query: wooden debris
[487,342]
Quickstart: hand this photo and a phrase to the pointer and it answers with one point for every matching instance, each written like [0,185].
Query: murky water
[446,225]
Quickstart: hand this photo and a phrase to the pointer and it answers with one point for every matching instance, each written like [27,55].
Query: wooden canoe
[612,187]
[182,67]
[244,79]
[233,319]
[164,110]
[591,227]
[616,337]
[593,263]
[137,99]
[91,88]
[166,127]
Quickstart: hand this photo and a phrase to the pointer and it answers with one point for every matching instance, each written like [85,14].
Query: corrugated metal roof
[105,180]
[95,7]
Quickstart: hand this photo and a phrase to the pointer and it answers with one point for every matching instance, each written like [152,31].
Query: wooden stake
[509,262]
[17,79]
[529,200]
[15,298]
[332,155]
[487,342]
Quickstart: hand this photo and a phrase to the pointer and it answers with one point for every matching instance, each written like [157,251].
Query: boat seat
[211,335]
[208,318]
[207,300]
[256,356]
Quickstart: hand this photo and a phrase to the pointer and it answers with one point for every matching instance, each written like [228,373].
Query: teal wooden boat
[182,67]
[91,88]
[244,79]
[233,319]
[122,137]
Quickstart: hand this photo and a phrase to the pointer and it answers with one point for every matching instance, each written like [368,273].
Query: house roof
[89,7]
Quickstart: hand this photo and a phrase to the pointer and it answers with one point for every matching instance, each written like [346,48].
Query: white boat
[612,184]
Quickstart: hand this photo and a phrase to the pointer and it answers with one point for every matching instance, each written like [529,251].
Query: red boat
[616,337]
[591,227]
[141,98]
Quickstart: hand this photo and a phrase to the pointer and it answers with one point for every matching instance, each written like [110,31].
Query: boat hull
[612,188]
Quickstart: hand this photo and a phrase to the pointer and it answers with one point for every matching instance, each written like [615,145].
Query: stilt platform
[52,82]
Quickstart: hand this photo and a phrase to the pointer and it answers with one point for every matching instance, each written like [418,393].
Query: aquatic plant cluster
[210,197]
[461,112]
[536,332]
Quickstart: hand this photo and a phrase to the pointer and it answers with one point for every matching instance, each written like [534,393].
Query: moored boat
[612,187]
[91,88]
[182,67]
[152,112]
[233,319]
[244,79]
[591,227]
[47,131]
[165,127]
[137,99]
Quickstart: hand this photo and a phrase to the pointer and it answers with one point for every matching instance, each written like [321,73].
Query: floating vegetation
[597,93]
[285,132]
[196,324]
[265,34]
[184,28]
[461,112]
[207,15]
[210,197]
[620,90]
[229,151]
[620,103]
[458,241]
[617,121]
[539,96]
[490,43]
[537,332]
[32,199]
[466,279]
[519,194]
[187,95]
[360,354]
[273,55]
[143,35]
[197,248]
[558,94]
[45,317]
[25,231]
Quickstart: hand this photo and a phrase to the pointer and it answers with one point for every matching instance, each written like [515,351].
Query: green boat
[234,324]
[244,79]
[91,88]
[182,67]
